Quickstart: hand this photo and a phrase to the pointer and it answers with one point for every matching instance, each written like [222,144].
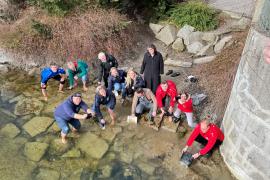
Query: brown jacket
[149,95]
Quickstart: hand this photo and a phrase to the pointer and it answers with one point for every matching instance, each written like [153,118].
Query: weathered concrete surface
[245,7]
[246,122]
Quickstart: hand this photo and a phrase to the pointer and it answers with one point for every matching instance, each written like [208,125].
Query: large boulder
[209,37]
[111,133]
[171,62]
[35,150]
[93,145]
[10,130]
[178,45]
[204,60]
[220,45]
[195,47]
[167,34]
[48,174]
[185,31]
[28,106]
[37,125]
[155,27]
[206,50]
[193,37]
[241,25]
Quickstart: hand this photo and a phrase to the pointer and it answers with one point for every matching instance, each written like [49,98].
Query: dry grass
[75,36]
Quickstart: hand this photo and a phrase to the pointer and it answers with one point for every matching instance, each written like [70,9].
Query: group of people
[149,93]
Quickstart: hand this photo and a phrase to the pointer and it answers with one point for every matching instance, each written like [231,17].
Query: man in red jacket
[207,134]
[165,96]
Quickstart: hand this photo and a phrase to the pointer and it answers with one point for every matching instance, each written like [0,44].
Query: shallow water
[129,151]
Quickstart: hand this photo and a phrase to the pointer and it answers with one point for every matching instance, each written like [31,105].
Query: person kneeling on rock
[144,100]
[67,113]
[165,94]
[208,135]
[184,105]
[107,98]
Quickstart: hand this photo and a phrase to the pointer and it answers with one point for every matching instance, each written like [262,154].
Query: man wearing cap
[52,72]
[106,62]
[68,113]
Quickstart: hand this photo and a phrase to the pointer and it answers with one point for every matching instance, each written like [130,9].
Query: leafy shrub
[56,7]
[194,13]
[43,30]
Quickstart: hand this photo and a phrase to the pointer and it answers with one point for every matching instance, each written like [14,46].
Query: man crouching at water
[208,135]
[52,72]
[67,113]
[107,98]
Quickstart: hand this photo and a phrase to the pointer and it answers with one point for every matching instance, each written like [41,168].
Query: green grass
[193,13]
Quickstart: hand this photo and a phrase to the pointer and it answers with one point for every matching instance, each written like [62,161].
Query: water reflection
[128,151]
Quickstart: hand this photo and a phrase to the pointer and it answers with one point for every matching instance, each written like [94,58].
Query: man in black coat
[152,67]
[106,62]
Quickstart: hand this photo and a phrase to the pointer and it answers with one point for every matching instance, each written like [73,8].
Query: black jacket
[152,66]
[119,79]
[138,83]
[104,67]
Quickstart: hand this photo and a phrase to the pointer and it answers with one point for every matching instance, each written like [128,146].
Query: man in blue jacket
[67,113]
[116,82]
[107,98]
[52,72]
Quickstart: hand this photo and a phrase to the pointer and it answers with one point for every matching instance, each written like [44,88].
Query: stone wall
[246,122]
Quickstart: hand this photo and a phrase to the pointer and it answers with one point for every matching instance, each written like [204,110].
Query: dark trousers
[166,104]
[152,83]
[105,79]
[204,142]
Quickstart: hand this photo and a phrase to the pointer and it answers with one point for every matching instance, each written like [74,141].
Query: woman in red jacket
[185,106]
[207,134]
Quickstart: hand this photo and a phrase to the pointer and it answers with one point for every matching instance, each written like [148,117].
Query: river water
[31,149]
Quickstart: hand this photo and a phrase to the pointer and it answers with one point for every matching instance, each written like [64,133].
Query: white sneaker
[115,93]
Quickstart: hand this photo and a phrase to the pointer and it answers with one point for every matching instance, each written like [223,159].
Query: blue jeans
[84,78]
[120,87]
[63,124]
[144,105]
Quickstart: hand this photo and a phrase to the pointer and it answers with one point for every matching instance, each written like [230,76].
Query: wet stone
[37,125]
[92,145]
[105,172]
[58,148]
[146,167]
[35,150]
[10,130]
[73,153]
[54,128]
[28,106]
[48,174]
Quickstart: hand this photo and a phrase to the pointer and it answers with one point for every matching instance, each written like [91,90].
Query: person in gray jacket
[144,100]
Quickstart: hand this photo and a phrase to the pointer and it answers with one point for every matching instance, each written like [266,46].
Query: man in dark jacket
[106,62]
[152,67]
[116,82]
[67,113]
[107,98]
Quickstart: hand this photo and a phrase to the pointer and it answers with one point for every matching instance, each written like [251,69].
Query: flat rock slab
[73,153]
[171,62]
[155,27]
[204,60]
[157,122]
[149,169]
[10,130]
[37,125]
[48,174]
[93,145]
[35,150]
[28,106]
[169,126]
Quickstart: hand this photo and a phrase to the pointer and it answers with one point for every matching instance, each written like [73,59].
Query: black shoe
[175,119]
[169,72]
[175,74]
